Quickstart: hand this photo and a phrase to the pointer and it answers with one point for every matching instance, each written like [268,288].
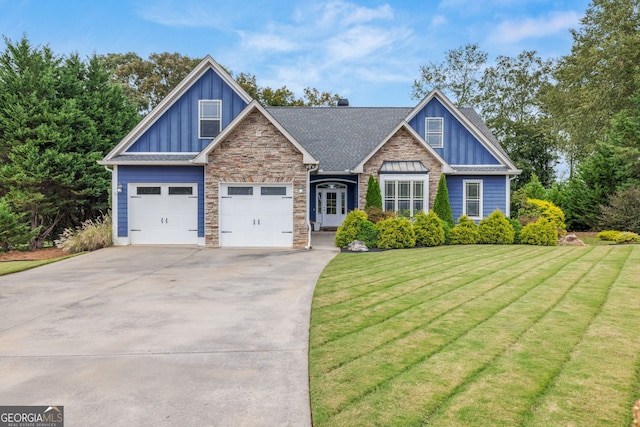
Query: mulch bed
[37,255]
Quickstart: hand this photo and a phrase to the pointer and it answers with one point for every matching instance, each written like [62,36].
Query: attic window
[210,118]
[434,130]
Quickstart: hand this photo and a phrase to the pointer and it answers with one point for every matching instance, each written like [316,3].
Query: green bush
[348,231]
[429,229]
[627,237]
[536,209]
[395,233]
[91,235]
[447,231]
[14,230]
[622,211]
[441,204]
[367,233]
[496,230]
[517,228]
[373,198]
[464,233]
[541,233]
[608,235]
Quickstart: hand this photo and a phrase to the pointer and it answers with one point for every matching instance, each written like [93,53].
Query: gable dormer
[193,113]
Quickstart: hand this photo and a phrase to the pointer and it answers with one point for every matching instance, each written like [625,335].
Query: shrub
[367,233]
[14,231]
[517,228]
[608,235]
[89,236]
[373,198]
[541,233]
[464,233]
[535,209]
[496,230]
[447,231]
[441,204]
[376,214]
[623,211]
[429,230]
[627,237]
[348,231]
[395,233]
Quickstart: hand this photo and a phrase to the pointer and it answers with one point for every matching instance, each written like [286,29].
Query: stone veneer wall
[255,152]
[400,147]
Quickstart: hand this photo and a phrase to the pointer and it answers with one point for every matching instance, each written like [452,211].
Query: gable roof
[115,155]
[470,119]
[339,137]
[202,157]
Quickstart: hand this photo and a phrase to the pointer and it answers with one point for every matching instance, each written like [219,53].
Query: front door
[332,205]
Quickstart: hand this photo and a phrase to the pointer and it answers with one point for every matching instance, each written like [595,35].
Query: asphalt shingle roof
[339,137]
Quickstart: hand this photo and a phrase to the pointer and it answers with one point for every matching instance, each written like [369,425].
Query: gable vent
[343,102]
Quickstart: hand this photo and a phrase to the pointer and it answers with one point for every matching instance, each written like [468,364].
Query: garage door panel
[263,218]
[163,218]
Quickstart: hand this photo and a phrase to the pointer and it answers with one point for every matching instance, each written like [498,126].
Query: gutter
[310,168]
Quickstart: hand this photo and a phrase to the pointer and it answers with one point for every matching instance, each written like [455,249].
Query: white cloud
[267,42]
[553,23]
[183,15]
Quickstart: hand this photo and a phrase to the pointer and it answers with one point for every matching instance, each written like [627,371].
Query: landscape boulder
[357,246]
[570,240]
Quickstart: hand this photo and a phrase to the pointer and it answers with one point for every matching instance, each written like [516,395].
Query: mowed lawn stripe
[356,394]
[515,380]
[600,382]
[441,298]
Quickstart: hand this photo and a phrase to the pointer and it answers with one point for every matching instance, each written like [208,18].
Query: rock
[570,240]
[357,246]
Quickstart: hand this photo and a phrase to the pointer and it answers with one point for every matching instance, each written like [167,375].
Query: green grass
[8,267]
[477,335]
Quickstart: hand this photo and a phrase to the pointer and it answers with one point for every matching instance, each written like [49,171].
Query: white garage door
[163,214]
[256,215]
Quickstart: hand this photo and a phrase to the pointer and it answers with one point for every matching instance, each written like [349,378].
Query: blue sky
[367,51]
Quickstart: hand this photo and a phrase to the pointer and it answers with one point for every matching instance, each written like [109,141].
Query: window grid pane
[473,208]
[434,131]
[331,203]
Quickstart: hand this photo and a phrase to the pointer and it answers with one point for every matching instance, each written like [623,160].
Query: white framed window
[209,118]
[434,131]
[472,198]
[404,194]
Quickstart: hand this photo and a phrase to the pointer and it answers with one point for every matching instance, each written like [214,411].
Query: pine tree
[374,197]
[441,205]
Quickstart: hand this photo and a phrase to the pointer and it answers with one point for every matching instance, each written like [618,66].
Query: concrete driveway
[163,336]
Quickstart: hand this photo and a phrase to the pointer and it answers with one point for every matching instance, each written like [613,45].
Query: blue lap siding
[494,193]
[158,175]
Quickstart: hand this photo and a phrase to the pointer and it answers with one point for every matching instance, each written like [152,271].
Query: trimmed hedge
[395,233]
[496,230]
[429,229]
[541,232]
[348,231]
[464,233]
[367,233]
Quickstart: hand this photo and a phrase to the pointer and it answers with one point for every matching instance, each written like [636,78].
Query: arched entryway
[331,204]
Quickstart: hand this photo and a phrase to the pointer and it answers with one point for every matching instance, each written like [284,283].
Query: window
[404,196]
[210,118]
[180,191]
[140,191]
[473,199]
[240,191]
[273,191]
[434,130]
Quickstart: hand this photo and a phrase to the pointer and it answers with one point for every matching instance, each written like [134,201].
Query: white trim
[159,153]
[480,195]
[424,178]
[446,168]
[202,158]
[441,133]
[205,65]
[114,204]
[200,118]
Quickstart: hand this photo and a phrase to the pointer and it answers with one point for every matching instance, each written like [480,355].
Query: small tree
[14,230]
[623,211]
[441,205]
[374,197]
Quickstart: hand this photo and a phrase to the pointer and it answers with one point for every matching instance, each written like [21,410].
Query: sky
[367,51]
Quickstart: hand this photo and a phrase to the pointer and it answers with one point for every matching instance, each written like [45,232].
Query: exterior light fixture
[300,188]
[119,188]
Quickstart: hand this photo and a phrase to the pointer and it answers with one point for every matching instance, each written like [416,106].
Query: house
[210,166]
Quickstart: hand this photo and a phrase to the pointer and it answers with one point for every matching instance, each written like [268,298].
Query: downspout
[511,178]
[310,168]
[114,218]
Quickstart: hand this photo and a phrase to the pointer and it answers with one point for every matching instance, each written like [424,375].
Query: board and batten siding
[494,194]
[176,131]
[157,175]
[460,147]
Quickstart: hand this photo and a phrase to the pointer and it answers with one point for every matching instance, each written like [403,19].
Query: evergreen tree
[441,205]
[374,197]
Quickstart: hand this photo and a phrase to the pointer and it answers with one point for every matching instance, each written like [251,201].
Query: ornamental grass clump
[429,229]
[396,233]
[92,234]
[496,230]
[464,233]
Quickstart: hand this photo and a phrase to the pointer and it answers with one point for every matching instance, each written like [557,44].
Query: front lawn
[477,335]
